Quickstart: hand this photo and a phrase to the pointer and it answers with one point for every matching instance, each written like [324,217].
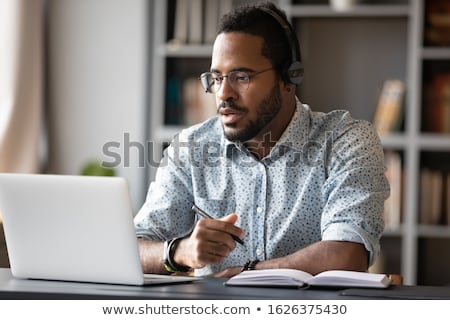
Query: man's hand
[209,243]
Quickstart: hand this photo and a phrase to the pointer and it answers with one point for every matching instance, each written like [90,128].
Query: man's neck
[261,145]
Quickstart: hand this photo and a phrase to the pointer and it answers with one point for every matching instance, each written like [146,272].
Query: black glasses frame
[239,80]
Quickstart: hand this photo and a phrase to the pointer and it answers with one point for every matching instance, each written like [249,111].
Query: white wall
[97,68]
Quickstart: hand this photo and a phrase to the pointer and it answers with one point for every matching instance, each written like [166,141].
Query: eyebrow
[244,69]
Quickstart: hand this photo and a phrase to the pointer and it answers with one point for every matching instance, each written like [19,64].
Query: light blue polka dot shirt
[323,180]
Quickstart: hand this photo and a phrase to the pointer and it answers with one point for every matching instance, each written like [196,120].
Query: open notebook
[72,228]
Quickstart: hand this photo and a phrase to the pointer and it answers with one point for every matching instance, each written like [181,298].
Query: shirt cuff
[345,232]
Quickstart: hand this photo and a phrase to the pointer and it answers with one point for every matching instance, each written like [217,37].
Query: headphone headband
[294,72]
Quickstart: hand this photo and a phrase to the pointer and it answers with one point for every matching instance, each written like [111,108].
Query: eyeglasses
[238,80]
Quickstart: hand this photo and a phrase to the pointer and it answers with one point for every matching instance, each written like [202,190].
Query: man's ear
[288,87]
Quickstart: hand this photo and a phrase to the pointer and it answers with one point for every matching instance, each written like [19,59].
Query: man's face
[251,113]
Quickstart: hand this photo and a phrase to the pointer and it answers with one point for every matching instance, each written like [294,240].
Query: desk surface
[205,289]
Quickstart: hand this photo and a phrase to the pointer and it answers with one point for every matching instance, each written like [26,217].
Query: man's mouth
[230,116]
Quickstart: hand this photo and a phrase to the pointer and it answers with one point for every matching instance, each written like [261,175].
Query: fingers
[212,234]
[222,230]
[198,249]
[212,241]
[231,218]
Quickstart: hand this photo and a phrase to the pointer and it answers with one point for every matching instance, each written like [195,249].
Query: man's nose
[226,90]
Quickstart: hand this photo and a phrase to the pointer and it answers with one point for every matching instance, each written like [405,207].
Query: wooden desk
[206,289]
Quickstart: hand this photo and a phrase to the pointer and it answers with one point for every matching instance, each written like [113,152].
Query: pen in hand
[202,213]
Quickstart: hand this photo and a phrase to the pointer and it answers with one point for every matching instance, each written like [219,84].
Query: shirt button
[258,252]
[259,210]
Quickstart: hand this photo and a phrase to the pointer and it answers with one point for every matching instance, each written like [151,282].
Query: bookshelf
[347,55]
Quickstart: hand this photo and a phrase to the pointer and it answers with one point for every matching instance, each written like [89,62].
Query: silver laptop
[72,228]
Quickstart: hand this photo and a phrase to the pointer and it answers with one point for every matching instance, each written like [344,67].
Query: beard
[266,112]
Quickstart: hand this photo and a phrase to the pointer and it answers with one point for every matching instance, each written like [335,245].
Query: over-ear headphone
[294,71]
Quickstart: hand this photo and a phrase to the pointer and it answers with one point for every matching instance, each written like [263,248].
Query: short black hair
[251,19]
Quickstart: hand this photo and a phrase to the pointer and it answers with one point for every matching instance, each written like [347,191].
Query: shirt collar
[296,132]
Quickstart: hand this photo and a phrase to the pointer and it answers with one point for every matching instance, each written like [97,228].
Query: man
[303,190]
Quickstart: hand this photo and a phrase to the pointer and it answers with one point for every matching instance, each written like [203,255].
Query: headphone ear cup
[295,72]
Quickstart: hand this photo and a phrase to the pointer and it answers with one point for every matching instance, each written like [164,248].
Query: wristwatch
[169,250]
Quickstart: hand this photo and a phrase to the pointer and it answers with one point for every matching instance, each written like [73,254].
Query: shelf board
[185,51]
[394,141]
[438,142]
[436,53]
[433,231]
[359,11]
[425,141]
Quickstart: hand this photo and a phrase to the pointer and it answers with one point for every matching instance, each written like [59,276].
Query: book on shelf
[437,23]
[388,115]
[196,21]
[437,112]
[447,198]
[212,12]
[181,23]
[431,196]
[173,102]
[195,27]
[197,105]
[188,24]
[214,9]
[298,278]
[393,204]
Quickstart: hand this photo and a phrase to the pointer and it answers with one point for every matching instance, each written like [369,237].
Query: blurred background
[74,77]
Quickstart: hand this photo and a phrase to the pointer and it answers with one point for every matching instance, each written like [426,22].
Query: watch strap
[168,259]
